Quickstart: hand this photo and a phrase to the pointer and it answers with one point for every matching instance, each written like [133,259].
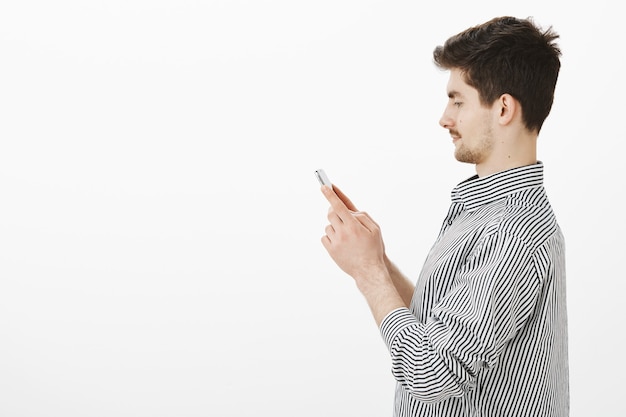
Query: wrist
[374,280]
[381,294]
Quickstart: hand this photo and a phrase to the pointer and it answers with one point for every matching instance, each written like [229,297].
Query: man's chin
[464,157]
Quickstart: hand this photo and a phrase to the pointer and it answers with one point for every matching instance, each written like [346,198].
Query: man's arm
[403,285]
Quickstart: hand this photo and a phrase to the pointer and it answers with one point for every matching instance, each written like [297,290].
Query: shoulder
[528,216]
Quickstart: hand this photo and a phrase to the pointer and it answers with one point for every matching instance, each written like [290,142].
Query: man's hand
[355,243]
[353,239]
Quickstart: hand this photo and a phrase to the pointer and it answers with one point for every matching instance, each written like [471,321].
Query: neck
[509,153]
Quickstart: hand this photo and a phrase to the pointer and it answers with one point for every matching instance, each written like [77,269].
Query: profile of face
[468,121]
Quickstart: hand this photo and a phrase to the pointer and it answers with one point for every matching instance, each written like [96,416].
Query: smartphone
[323,178]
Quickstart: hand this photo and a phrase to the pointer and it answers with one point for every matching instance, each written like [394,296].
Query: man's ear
[509,108]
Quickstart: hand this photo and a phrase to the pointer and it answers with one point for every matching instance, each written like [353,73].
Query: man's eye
[457,103]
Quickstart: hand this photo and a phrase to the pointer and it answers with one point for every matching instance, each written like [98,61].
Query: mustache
[454,132]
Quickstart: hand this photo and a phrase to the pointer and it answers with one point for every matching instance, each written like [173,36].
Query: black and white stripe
[486,332]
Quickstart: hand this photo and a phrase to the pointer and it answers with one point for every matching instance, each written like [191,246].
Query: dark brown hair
[507,55]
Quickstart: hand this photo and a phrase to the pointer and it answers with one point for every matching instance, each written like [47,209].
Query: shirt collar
[478,191]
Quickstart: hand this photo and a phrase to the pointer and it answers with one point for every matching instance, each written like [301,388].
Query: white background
[160,220]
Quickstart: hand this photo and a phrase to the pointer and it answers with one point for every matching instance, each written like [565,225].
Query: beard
[477,152]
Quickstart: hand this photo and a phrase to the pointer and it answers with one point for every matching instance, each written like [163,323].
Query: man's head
[507,55]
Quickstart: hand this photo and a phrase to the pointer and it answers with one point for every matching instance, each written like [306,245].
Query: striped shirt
[486,331]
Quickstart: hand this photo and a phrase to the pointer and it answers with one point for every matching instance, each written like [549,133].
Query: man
[484,330]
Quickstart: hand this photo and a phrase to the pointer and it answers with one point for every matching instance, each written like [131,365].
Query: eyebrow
[454,93]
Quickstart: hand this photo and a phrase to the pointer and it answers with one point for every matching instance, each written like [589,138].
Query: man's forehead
[457,86]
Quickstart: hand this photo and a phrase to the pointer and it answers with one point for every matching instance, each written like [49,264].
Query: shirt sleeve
[493,295]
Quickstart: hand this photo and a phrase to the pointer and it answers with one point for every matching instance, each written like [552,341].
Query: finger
[332,217]
[326,241]
[344,198]
[338,206]
[329,230]
[366,221]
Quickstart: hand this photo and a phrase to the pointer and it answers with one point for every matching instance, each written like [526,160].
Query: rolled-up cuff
[394,323]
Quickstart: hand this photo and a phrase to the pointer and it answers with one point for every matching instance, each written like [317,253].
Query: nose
[446,121]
